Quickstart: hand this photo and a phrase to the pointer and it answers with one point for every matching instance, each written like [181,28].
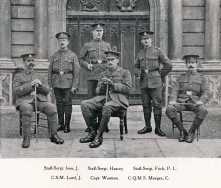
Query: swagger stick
[36,123]
[107,92]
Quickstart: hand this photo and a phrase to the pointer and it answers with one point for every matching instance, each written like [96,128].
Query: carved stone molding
[90,5]
[73,29]
[126,9]
[85,28]
[5,89]
[114,30]
[127,28]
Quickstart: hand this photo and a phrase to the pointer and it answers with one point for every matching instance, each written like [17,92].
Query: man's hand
[36,82]
[73,90]
[172,102]
[99,61]
[89,66]
[107,81]
[198,103]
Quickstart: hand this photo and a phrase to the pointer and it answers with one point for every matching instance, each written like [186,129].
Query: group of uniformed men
[108,84]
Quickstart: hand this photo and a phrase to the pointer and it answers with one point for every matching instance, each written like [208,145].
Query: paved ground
[132,146]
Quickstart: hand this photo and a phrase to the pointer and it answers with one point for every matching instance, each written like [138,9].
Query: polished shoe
[182,137]
[67,129]
[90,137]
[87,130]
[60,128]
[56,139]
[190,137]
[159,132]
[96,143]
[26,142]
[145,130]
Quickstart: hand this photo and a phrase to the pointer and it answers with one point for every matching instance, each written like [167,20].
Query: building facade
[180,27]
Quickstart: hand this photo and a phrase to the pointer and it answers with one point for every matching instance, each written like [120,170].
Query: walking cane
[107,92]
[36,123]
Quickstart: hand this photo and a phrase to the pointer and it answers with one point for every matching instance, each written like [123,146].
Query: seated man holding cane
[113,85]
[24,89]
[190,93]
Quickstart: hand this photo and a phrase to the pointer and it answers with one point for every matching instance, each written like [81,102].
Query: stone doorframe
[158,22]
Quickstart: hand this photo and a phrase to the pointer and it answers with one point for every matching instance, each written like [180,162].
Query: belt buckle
[61,72]
[189,93]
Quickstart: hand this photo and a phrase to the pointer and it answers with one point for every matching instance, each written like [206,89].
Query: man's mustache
[191,67]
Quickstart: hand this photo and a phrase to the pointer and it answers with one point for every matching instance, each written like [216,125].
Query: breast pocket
[68,64]
[92,52]
[142,63]
[197,83]
[153,62]
[56,63]
[184,84]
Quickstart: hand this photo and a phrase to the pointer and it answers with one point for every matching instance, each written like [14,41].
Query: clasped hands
[36,82]
[198,103]
[107,81]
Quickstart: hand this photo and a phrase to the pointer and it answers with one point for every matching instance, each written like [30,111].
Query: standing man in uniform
[192,89]
[146,68]
[63,76]
[119,84]
[24,88]
[92,58]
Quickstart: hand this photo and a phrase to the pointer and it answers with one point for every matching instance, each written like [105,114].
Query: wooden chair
[122,114]
[45,125]
[186,122]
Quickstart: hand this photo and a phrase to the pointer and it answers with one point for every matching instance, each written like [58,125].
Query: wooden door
[124,19]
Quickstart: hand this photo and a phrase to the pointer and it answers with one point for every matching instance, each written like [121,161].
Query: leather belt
[152,70]
[95,61]
[61,72]
[189,93]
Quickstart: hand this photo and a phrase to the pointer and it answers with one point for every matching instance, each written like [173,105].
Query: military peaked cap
[191,57]
[98,25]
[112,54]
[146,34]
[29,57]
[62,35]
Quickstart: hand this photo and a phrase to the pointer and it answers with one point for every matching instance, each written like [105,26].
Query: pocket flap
[155,74]
[69,76]
[92,49]
[198,81]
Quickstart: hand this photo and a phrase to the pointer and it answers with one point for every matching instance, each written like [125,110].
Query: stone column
[41,32]
[175,32]
[211,49]
[5,33]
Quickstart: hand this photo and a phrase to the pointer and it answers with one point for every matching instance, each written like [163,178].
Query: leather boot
[56,139]
[60,109]
[191,135]
[158,131]
[183,133]
[68,111]
[102,127]
[67,123]
[147,128]
[90,137]
[26,142]
[96,143]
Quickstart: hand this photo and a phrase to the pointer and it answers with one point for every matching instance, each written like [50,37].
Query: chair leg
[197,134]
[20,128]
[125,123]
[121,128]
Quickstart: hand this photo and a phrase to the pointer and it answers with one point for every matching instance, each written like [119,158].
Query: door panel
[121,31]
